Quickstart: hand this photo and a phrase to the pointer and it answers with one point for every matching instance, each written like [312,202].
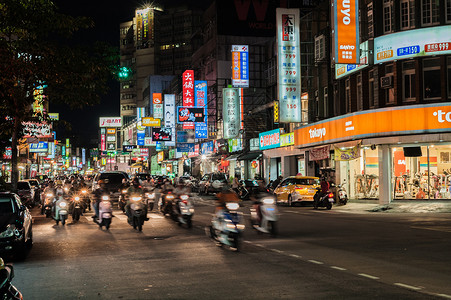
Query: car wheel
[29,243]
[290,201]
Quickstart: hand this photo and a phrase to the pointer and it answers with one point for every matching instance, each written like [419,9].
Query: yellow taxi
[297,189]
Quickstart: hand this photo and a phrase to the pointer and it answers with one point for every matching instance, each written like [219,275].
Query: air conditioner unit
[386,82]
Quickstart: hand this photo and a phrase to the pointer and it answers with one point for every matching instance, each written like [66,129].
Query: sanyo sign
[440,114]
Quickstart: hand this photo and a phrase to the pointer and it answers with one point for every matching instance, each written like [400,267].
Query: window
[407,14]
[448,11]
[430,12]
[320,53]
[387,9]
[389,92]
[408,81]
[304,108]
[370,20]
[371,88]
[431,75]
[348,95]
[6,207]
[359,92]
[326,101]
[449,76]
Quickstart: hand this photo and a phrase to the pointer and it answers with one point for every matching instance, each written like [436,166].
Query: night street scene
[225,149]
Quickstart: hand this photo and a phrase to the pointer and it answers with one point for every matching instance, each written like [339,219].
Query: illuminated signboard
[158,109]
[188,92]
[160,156]
[41,147]
[169,111]
[161,134]
[379,122]
[342,70]
[144,27]
[111,131]
[270,139]
[240,65]
[150,122]
[346,21]
[110,122]
[289,65]
[54,116]
[412,43]
[200,100]
[231,112]
[287,139]
[190,114]
[39,130]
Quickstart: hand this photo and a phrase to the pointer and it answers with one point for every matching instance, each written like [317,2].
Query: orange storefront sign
[157,98]
[346,32]
[415,119]
[150,122]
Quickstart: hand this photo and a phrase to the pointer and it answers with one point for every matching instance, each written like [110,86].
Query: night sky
[107,15]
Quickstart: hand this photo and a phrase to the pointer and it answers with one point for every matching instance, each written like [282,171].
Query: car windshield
[112,178]
[23,186]
[33,183]
[306,181]
[6,206]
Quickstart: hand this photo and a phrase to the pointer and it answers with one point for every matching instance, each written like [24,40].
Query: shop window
[371,88]
[407,14]
[431,75]
[408,73]
[448,11]
[430,12]
[387,9]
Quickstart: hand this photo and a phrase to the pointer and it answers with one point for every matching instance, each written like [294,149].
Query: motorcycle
[326,200]
[122,200]
[105,212]
[150,200]
[138,212]
[227,229]
[77,208]
[61,210]
[341,194]
[183,210]
[264,216]
[7,290]
[85,198]
[48,204]
[165,203]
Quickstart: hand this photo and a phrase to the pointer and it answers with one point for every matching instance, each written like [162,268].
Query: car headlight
[84,191]
[9,232]
[124,191]
[150,195]
[170,197]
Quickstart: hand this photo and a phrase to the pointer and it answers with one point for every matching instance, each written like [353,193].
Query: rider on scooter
[261,193]
[98,193]
[50,189]
[325,187]
[134,189]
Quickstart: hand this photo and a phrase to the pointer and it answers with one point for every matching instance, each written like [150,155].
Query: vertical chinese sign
[169,116]
[157,106]
[231,112]
[188,92]
[289,65]
[346,22]
[240,65]
[200,97]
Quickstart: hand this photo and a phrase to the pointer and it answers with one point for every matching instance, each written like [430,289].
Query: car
[212,183]
[26,193]
[16,235]
[113,182]
[37,189]
[297,189]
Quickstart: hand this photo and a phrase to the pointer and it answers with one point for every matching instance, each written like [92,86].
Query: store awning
[250,155]
[233,156]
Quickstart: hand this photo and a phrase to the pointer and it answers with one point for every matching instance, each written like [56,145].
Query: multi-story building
[389,138]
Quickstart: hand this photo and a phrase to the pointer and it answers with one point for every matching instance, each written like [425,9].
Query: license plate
[331,200]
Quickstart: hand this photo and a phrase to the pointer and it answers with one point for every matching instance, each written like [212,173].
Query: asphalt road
[317,255]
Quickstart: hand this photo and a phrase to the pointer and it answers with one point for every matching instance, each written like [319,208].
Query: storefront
[387,154]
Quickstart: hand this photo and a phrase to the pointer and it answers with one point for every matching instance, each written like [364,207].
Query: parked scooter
[138,212]
[323,200]
[77,208]
[61,211]
[7,290]
[341,194]
[264,215]
[227,228]
[48,204]
[105,212]
[183,211]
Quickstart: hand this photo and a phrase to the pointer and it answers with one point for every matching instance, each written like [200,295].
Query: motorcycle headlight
[77,198]
[49,195]
[124,191]
[232,205]
[106,198]
[66,189]
[150,195]
[136,198]
[63,204]
[84,191]
[184,197]
[268,200]
[170,197]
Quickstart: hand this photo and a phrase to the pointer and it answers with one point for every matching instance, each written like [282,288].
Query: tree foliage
[35,49]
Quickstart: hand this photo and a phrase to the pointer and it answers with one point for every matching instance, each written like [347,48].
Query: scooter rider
[261,193]
[179,190]
[97,197]
[50,189]
[134,189]
[325,186]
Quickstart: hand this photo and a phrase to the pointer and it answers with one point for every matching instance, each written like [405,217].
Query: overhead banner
[186,114]
[158,109]
[188,92]
[347,154]
[289,66]
[185,147]
[169,110]
[201,131]
[231,113]
[240,66]
[418,42]
[161,134]
[110,122]
[319,153]
[346,20]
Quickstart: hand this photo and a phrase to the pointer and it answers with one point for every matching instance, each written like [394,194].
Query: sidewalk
[396,207]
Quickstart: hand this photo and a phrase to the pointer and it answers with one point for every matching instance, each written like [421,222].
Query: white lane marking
[410,287]
[277,251]
[315,262]
[368,276]
[259,245]
[295,256]
[338,268]
[438,228]
[444,296]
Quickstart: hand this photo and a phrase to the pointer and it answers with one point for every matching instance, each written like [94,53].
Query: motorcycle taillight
[185,201]
[331,195]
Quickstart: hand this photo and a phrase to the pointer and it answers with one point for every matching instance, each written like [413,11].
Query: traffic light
[124,72]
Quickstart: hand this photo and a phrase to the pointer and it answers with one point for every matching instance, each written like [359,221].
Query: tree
[36,49]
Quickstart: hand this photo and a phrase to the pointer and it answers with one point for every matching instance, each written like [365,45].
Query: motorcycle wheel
[329,205]
[107,223]
[344,201]
[135,222]
[63,220]
[272,228]
[290,203]
[189,222]
[236,242]
[140,225]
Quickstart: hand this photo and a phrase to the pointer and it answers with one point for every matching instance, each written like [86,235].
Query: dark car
[113,182]
[26,193]
[16,234]
[212,183]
